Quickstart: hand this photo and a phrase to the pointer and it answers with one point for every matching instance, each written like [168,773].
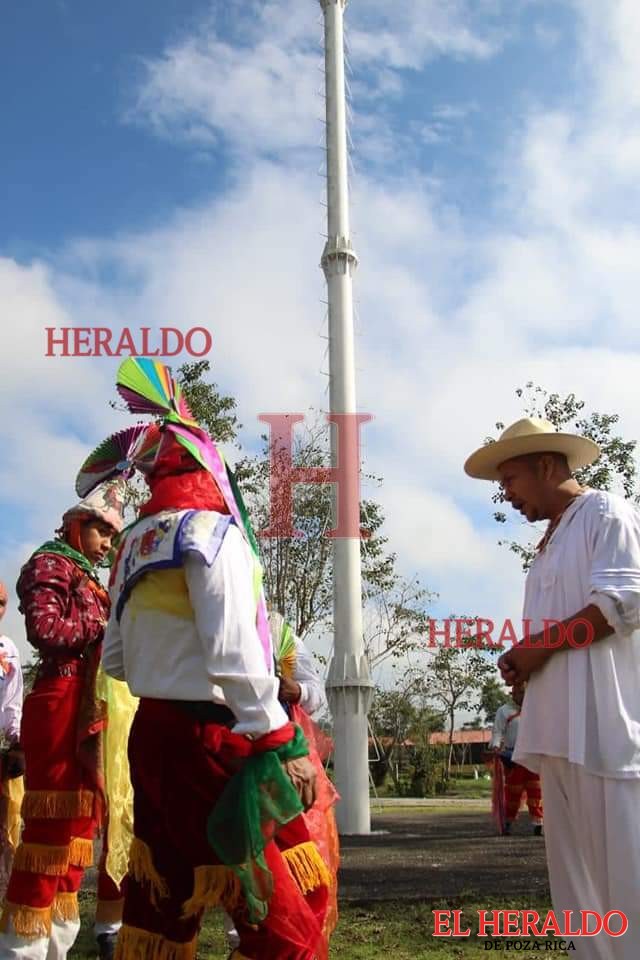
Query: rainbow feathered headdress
[147,387]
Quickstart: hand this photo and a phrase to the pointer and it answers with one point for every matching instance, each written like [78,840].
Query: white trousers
[592,837]
[55,947]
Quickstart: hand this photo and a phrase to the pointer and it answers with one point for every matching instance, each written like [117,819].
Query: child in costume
[216,766]
[514,779]
[66,610]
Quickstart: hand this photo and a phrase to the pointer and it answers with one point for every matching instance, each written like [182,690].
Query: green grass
[401,931]
[468,787]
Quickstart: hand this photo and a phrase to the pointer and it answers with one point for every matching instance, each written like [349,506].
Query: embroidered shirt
[63,614]
[187,627]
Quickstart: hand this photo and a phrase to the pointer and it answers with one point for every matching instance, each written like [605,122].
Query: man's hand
[303,776]
[521,661]
[290,691]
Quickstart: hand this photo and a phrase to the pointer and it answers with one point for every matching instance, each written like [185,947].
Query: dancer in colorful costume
[66,610]
[516,780]
[12,758]
[217,767]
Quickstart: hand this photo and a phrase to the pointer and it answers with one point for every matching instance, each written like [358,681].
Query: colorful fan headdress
[147,387]
[118,456]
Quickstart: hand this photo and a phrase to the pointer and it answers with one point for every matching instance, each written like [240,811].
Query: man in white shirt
[580,724]
[11,684]
[11,697]
[518,781]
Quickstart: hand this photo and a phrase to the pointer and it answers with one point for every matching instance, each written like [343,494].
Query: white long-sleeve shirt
[312,695]
[189,632]
[11,689]
[584,705]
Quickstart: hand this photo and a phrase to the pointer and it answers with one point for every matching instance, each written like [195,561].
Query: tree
[392,716]
[492,697]
[614,470]
[214,411]
[457,676]
[298,570]
[402,721]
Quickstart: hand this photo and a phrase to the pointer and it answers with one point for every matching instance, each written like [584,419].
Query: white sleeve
[222,599]
[312,696]
[615,565]
[499,728]
[11,712]
[112,651]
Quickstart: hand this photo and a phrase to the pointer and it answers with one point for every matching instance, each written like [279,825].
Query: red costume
[65,610]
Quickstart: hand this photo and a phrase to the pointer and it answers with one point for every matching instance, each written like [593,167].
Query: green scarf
[62,548]
[254,803]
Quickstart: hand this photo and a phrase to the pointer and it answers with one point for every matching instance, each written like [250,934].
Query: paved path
[429,854]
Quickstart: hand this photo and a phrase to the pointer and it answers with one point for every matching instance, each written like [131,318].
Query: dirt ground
[442,852]
[433,853]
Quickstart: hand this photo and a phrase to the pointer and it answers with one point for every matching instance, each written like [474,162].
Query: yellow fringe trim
[213,885]
[29,922]
[65,907]
[42,858]
[81,852]
[135,944]
[57,804]
[307,867]
[142,869]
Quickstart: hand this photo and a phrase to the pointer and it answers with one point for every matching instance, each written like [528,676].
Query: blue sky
[159,166]
[76,162]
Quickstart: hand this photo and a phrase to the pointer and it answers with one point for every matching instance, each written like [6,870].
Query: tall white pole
[348,685]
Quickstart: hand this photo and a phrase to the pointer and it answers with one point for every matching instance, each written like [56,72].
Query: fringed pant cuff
[32,923]
[142,869]
[135,944]
[213,885]
[57,804]
[65,907]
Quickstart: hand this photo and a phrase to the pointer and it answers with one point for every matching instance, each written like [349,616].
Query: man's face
[4,600]
[95,540]
[524,487]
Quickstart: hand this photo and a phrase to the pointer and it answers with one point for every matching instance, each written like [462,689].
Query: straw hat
[530,435]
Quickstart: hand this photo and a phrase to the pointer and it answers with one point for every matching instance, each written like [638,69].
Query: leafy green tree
[457,675]
[615,469]
[492,697]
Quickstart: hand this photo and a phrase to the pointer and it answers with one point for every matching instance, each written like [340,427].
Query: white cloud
[552,295]
[256,81]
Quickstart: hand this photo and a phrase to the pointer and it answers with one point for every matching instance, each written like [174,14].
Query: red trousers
[518,781]
[58,812]
[179,768]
